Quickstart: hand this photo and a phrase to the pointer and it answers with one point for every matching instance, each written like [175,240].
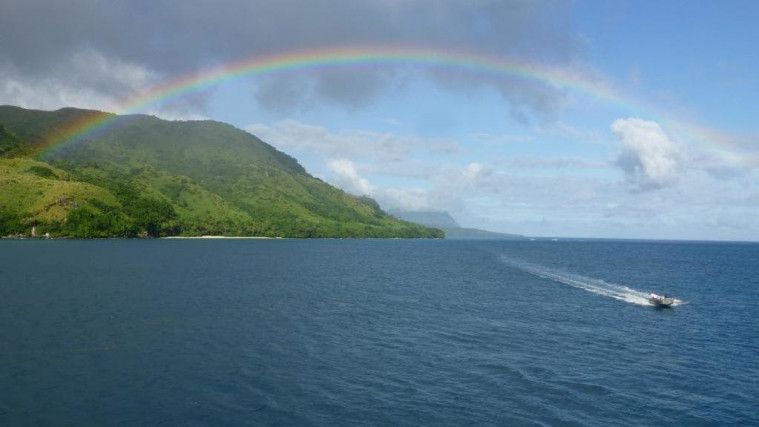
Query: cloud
[169,38]
[556,130]
[407,199]
[90,79]
[382,147]
[534,195]
[86,79]
[529,195]
[285,95]
[649,158]
[445,187]
[553,163]
[346,177]
[390,168]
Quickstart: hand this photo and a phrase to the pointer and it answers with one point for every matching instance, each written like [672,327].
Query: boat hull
[661,302]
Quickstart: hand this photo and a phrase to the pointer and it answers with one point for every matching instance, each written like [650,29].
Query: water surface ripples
[382,332]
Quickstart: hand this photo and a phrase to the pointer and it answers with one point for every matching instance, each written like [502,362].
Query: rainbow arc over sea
[360,56]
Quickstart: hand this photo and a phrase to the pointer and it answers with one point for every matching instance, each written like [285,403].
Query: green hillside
[9,143]
[147,176]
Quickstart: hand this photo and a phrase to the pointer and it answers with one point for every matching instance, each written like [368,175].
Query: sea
[377,332]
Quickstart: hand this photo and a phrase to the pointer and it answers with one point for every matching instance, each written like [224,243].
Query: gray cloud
[166,38]
[87,78]
[349,88]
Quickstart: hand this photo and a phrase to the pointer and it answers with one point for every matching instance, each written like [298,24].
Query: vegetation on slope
[34,194]
[146,176]
[9,143]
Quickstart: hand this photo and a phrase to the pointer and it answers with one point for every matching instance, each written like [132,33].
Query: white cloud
[553,163]
[347,177]
[400,171]
[649,158]
[474,170]
[541,195]
[445,187]
[291,135]
[504,138]
[408,199]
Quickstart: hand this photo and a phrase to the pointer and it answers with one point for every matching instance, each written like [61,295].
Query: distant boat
[660,300]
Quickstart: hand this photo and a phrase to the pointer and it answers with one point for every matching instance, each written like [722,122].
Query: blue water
[382,332]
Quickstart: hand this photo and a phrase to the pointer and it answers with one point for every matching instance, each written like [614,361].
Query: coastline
[132,238]
[219,237]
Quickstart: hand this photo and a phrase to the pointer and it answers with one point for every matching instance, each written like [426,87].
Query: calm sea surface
[379,332]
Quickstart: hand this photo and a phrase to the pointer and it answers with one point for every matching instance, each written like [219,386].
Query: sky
[639,120]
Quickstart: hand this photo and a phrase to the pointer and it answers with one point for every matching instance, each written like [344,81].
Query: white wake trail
[596,286]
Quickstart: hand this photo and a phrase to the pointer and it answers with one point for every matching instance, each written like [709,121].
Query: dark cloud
[293,92]
[169,37]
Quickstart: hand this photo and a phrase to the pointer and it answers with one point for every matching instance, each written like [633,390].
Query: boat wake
[597,286]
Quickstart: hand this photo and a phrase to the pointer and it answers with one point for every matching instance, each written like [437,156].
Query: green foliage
[43,172]
[88,222]
[35,194]
[10,222]
[9,143]
[158,178]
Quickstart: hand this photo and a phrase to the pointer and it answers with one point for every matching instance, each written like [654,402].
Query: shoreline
[220,237]
[136,238]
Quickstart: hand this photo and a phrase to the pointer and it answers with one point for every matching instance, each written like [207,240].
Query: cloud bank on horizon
[497,151]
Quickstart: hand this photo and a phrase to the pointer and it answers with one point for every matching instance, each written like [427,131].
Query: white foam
[597,286]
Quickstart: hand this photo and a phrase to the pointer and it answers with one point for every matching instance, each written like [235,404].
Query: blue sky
[500,154]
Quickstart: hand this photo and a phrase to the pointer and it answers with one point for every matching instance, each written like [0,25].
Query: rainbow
[344,57]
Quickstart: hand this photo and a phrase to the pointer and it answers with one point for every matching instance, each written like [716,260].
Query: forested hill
[146,176]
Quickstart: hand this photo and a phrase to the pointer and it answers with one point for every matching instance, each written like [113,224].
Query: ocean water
[377,332]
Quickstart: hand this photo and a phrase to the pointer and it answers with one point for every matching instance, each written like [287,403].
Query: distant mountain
[147,176]
[475,233]
[444,221]
[439,219]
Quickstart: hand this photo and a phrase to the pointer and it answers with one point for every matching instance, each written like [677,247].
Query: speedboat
[660,300]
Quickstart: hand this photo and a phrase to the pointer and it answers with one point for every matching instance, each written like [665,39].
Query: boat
[660,300]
